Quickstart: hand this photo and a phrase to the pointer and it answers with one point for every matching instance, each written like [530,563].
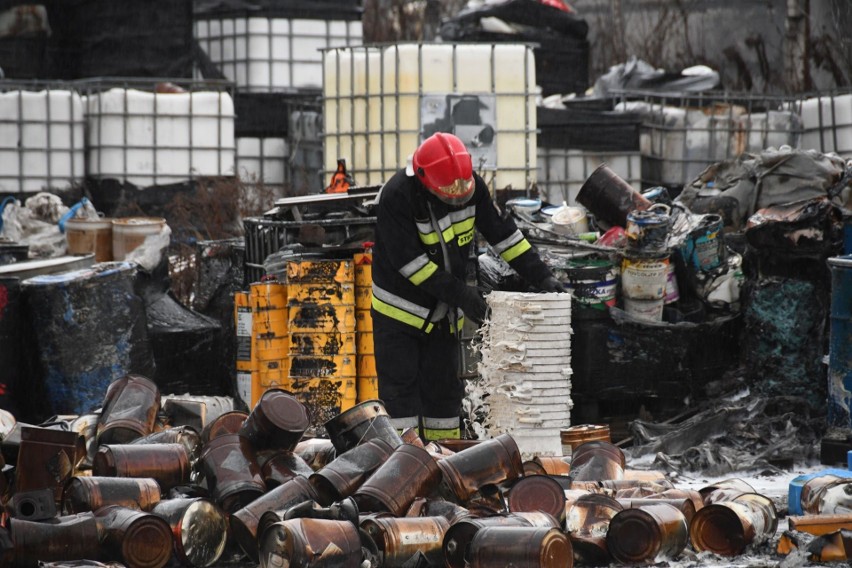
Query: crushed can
[493,461]
[362,422]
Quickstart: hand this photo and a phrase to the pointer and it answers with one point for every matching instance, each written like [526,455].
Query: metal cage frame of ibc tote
[50,180]
[96,85]
[833,117]
[382,143]
[730,130]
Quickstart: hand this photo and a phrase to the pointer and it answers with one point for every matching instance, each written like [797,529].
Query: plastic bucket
[592,281]
[644,277]
[90,236]
[650,310]
[570,221]
[130,232]
[704,248]
[609,198]
[648,230]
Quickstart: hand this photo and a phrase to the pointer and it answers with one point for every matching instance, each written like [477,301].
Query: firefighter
[426,216]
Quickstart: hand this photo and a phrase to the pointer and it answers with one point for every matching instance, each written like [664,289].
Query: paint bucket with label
[647,230]
[609,198]
[592,281]
[570,220]
[644,276]
[86,236]
[704,248]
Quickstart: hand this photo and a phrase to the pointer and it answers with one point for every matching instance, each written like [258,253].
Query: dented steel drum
[345,474]
[609,198]
[129,410]
[521,547]
[199,529]
[362,422]
[244,522]
[460,534]
[167,463]
[310,543]
[282,466]
[408,473]
[646,534]
[401,538]
[277,421]
[184,435]
[587,523]
[726,528]
[72,537]
[538,493]
[134,538]
[86,493]
[597,460]
[489,462]
[229,465]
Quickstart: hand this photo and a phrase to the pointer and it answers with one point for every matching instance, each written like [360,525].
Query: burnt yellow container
[324,398]
[341,271]
[366,365]
[335,293]
[363,269]
[363,321]
[364,342]
[323,318]
[363,297]
[368,388]
[322,343]
[269,309]
[243,327]
[321,366]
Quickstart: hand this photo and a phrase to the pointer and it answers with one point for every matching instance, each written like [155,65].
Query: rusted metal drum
[167,463]
[72,537]
[724,489]
[408,473]
[129,410]
[538,493]
[685,506]
[277,421]
[317,452]
[229,465]
[553,465]
[490,462]
[459,535]
[282,466]
[310,543]
[580,434]
[726,528]
[244,522]
[134,538]
[609,198]
[587,523]
[521,547]
[642,535]
[826,494]
[91,493]
[226,423]
[690,494]
[594,461]
[362,422]
[345,474]
[199,529]
[185,435]
[399,539]
[345,510]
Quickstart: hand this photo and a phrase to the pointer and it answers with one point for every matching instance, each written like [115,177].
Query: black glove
[551,284]
[472,304]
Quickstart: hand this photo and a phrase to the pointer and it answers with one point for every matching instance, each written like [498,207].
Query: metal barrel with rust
[364,421]
[199,529]
[538,493]
[647,533]
[129,410]
[460,534]
[310,543]
[587,523]
[596,461]
[408,473]
[230,469]
[826,494]
[344,475]
[167,463]
[277,421]
[317,452]
[134,538]
[493,461]
[278,467]
[521,547]
[399,539]
[185,435]
[727,527]
[723,490]
[685,506]
[67,538]
[88,493]
[227,423]
[244,522]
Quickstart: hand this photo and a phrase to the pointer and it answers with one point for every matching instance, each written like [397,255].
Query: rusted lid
[284,411]
[227,423]
[538,493]
[634,536]
[722,528]
[556,550]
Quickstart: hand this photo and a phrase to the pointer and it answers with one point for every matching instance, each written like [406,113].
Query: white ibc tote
[526,369]
[378,102]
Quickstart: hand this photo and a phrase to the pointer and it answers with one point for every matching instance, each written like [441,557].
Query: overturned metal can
[317,452]
[408,473]
[277,421]
[134,538]
[826,494]
[72,537]
[345,474]
[685,506]
[199,529]
[167,463]
[538,493]
[596,461]
[587,523]
[521,547]
[645,534]
[129,410]
[226,423]
[282,466]
[553,465]
[184,435]
[244,522]
[401,538]
[86,493]
[490,462]
[310,543]
[459,535]
[362,422]
[724,490]
[229,465]
[726,528]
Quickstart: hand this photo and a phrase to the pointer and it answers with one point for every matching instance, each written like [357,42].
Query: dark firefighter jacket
[411,277]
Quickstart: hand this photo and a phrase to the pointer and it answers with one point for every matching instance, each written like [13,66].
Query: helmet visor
[457,193]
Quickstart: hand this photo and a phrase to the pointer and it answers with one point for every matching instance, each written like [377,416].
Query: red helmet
[444,166]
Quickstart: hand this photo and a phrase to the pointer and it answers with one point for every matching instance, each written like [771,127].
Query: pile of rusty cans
[132,484]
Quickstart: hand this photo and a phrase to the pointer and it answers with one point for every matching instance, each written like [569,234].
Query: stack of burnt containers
[272,52]
[322,367]
[368,382]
